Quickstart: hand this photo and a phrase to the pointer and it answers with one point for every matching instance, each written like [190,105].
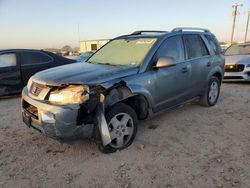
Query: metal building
[92,45]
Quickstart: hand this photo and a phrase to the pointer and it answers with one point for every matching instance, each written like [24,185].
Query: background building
[92,45]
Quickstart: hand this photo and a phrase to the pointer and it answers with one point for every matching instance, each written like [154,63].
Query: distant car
[237,67]
[18,65]
[83,57]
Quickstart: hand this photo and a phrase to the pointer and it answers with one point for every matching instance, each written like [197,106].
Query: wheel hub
[213,92]
[121,130]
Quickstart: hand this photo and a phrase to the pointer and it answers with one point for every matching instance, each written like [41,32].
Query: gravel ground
[192,146]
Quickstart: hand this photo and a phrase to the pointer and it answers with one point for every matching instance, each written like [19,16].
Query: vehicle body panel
[84,73]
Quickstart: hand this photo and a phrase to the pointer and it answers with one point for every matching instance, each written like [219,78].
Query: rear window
[214,44]
[195,46]
[7,60]
[29,58]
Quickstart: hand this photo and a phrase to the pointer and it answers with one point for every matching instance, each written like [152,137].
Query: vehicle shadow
[10,97]
[236,83]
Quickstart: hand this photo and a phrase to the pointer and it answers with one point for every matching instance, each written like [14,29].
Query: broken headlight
[73,94]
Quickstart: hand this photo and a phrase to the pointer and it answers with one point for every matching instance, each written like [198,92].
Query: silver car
[237,67]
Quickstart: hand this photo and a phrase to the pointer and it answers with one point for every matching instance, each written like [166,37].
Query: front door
[172,84]
[10,76]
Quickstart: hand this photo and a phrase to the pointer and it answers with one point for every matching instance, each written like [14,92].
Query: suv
[131,78]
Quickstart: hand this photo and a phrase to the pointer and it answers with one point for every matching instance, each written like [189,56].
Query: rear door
[33,62]
[198,56]
[10,76]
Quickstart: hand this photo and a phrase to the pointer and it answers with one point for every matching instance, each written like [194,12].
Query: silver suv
[131,78]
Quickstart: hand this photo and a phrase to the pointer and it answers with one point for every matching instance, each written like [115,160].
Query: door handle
[209,64]
[184,69]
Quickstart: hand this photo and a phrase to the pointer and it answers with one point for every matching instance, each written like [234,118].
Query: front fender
[136,89]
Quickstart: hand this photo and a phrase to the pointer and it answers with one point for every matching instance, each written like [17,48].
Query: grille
[31,109]
[36,88]
[234,68]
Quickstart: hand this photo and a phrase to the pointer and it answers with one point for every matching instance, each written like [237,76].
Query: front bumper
[55,121]
[243,76]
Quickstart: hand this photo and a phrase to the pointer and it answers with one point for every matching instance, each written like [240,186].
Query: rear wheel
[212,92]
[122,123]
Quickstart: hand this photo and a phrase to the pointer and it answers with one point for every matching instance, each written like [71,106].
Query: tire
[122,134]
[212,92]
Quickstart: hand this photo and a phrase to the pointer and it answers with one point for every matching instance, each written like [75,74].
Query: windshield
[128,52]
[238,50]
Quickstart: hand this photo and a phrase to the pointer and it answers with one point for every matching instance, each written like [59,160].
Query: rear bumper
[54,121]
[243,76]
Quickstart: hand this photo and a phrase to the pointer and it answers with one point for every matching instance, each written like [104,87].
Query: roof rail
[147,31]
[181,29]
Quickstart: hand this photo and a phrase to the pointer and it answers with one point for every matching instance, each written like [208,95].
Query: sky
[55,23]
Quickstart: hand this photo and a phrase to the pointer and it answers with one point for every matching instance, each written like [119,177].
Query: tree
[67,48]
[76,49]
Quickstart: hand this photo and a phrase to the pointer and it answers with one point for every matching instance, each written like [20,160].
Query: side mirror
[164,62]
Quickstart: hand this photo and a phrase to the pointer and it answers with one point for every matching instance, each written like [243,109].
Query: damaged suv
[131,78]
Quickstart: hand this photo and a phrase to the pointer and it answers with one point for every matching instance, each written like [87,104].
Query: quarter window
[214,44]
[29,58]
[172,47]
[195,46]
[8,60]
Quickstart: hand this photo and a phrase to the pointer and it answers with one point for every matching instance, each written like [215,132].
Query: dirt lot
[190,147]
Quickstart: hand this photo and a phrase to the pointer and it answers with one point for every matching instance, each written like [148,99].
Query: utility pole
[248,19]
[235,12]
[78,32]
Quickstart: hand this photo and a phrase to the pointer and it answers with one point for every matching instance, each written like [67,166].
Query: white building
[92,45]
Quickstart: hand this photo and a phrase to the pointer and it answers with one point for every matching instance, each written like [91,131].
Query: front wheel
[212,92]
[122,123]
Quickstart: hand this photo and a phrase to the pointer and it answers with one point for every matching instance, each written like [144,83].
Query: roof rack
[181,29]
[147,31]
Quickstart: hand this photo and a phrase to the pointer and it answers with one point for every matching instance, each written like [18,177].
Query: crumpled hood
[86,73]
[238,59]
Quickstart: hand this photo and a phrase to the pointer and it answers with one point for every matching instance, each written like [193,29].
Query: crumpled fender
[102,123]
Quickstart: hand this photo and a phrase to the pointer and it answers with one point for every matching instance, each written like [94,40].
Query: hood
[86,73]
[238,59]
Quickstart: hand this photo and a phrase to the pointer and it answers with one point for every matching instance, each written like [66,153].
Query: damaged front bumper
[54,120]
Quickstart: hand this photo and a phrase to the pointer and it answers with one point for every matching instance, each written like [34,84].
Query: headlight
[29,83]
[73,94]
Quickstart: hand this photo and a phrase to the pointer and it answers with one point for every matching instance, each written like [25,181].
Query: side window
[195,46]
[29,58]
[214,44]
[172,47]
[7,60]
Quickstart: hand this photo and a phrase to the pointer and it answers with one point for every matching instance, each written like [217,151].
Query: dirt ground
[192,146]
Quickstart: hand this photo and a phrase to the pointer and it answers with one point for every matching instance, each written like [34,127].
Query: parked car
[131,78]
[237,66]
[83,57]
[18,65]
